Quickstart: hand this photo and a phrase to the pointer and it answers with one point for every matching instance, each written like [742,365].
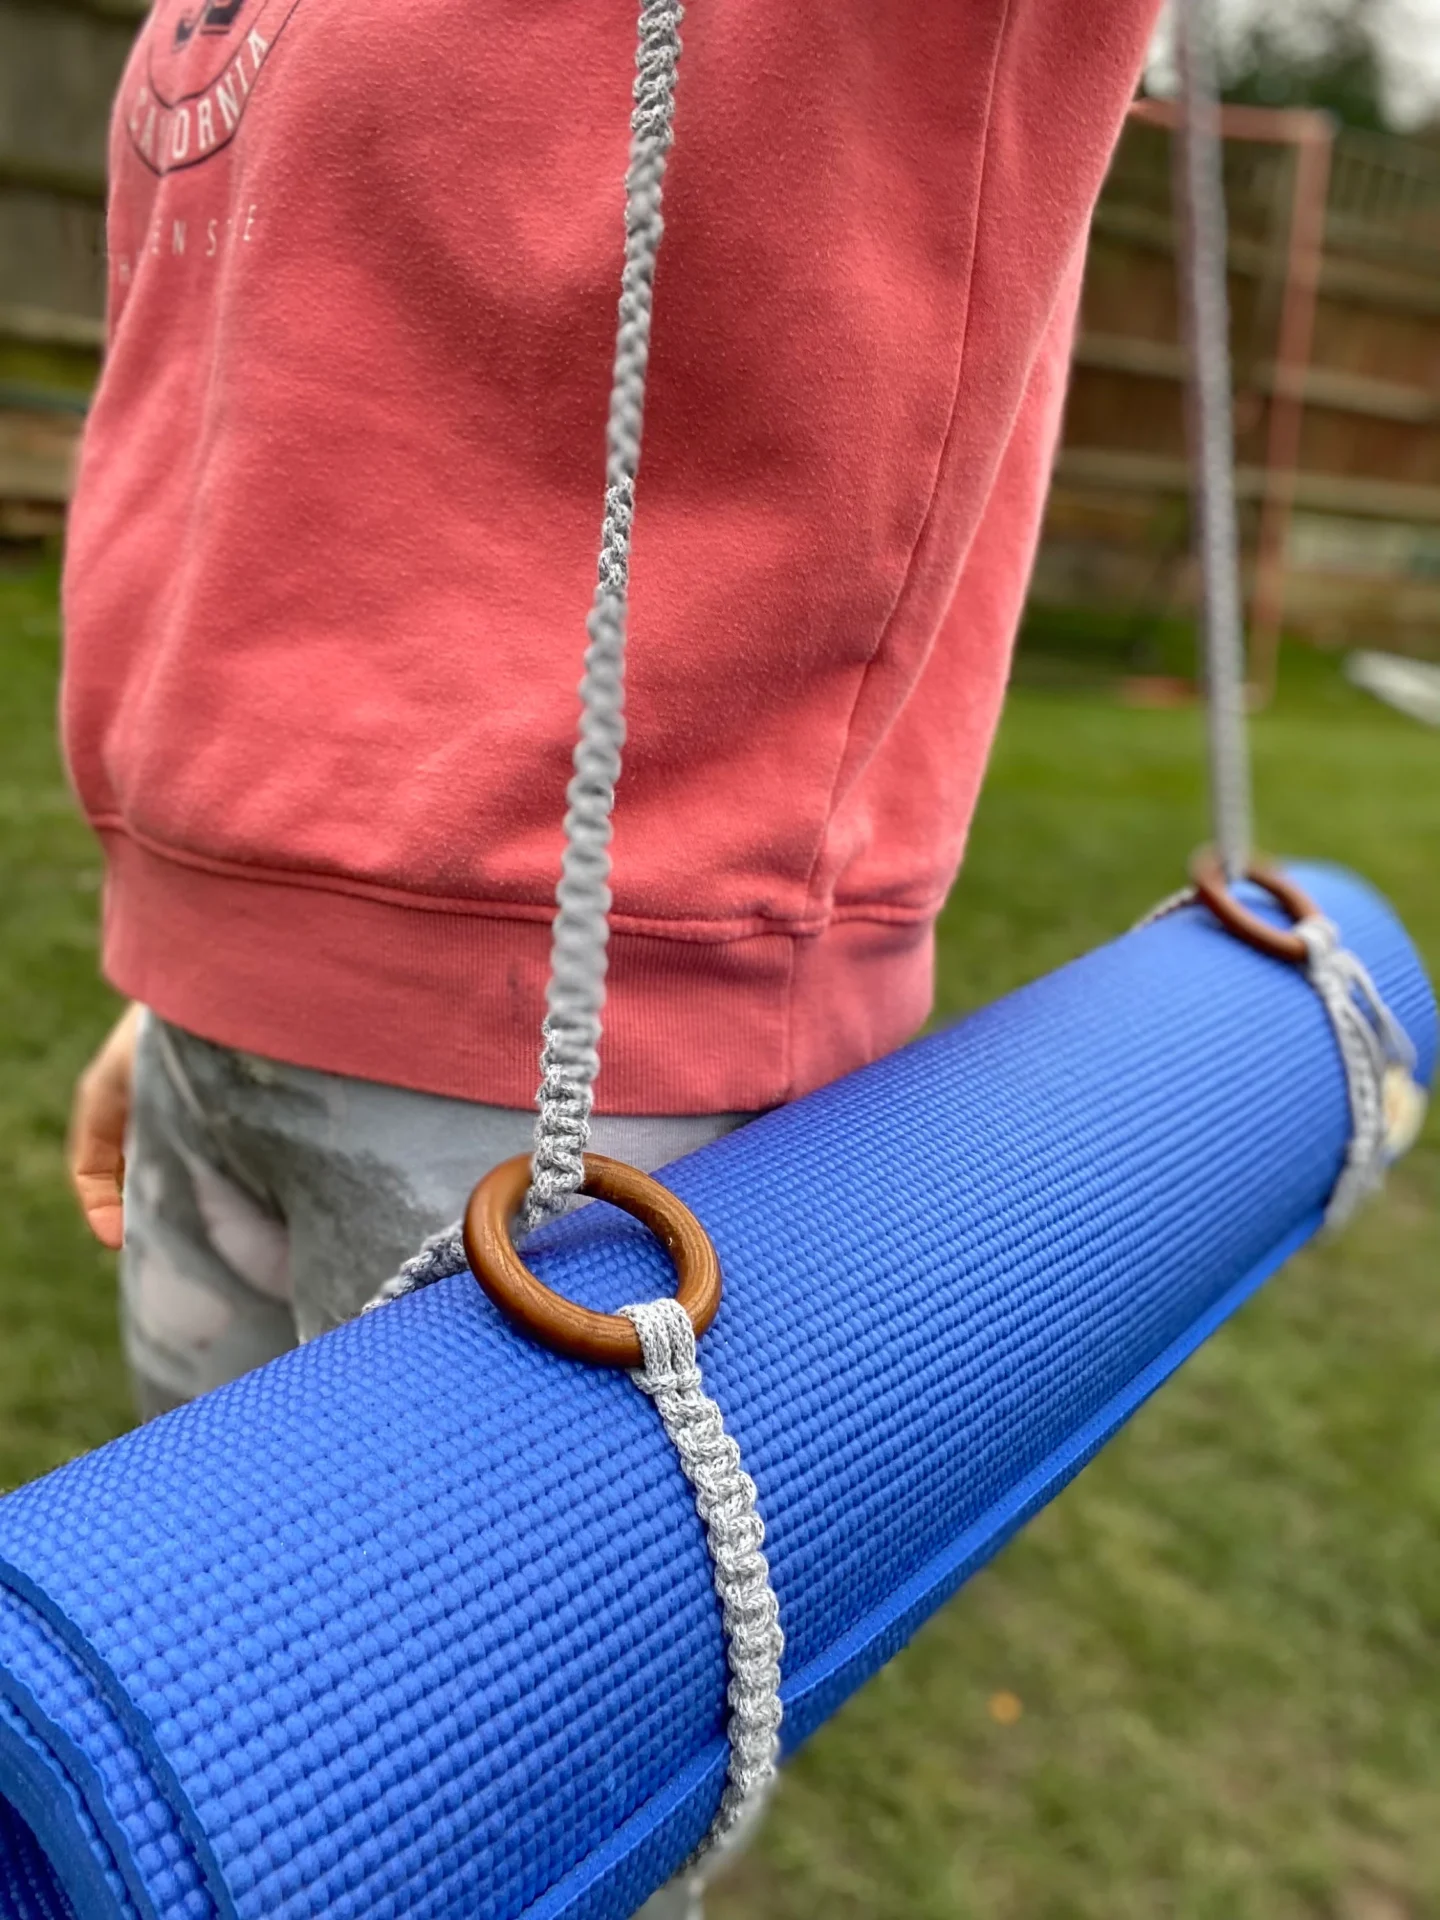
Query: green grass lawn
[1222,1640]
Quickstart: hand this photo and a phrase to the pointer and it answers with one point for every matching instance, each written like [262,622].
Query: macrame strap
[709,1457]
[1387,1103]
[725,1501]
[575,996]
[1378,1057]
[442,1255]
[570,1057]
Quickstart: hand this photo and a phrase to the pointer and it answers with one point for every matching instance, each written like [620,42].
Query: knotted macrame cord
[725,1495]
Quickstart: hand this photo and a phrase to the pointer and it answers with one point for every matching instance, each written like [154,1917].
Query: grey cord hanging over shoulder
[1386,1101]
[570,1057]
[570,1054]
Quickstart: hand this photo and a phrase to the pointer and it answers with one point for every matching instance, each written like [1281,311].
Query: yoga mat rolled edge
[908,1363]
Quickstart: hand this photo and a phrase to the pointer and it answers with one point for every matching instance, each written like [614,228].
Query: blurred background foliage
[1336,65]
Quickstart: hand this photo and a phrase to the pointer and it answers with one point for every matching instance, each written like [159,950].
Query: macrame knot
[1376,1052]
[576,994]
[725,1500]
[569,1062]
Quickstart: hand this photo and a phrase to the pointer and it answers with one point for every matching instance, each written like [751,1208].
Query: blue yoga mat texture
[419,1620]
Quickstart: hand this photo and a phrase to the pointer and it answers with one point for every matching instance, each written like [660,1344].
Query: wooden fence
[60,62]
[1362,553]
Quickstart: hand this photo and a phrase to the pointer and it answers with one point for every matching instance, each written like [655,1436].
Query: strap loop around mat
[725,1500]
[1387,1104]
[655,1341]
[1386,1101]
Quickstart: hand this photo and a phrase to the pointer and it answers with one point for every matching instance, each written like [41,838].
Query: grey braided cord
[569,1059]
[725,1501]
[1372,1045]
[1172,903]
[709,1457]
[1200,188]
[1375,1050]
[439,1256]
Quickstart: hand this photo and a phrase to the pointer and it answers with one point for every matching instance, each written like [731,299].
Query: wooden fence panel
[59,67]
[1363,552]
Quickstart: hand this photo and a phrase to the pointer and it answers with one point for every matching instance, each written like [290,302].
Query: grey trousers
[265,1203]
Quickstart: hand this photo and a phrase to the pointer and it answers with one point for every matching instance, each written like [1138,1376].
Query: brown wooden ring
[601,1339]
[1211,886]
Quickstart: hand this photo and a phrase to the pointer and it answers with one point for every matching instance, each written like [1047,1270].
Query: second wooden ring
[1212,887]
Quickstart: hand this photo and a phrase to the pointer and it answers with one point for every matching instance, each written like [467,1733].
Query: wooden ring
[1211,886]
[601,1339]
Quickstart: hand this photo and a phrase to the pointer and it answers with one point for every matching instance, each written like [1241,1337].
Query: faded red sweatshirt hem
[444,999]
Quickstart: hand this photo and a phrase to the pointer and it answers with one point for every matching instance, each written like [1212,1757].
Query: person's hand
[96,1147]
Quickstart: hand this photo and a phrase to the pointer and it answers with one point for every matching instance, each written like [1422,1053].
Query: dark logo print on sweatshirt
[198,69]
[216,18]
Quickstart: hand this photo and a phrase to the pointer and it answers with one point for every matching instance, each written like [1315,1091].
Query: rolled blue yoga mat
[419,1620]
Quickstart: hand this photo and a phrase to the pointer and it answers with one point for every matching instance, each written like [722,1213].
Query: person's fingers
[102,1202]
[98,1119]
[97,1171]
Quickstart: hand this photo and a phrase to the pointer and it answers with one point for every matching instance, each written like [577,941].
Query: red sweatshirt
[334,537]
